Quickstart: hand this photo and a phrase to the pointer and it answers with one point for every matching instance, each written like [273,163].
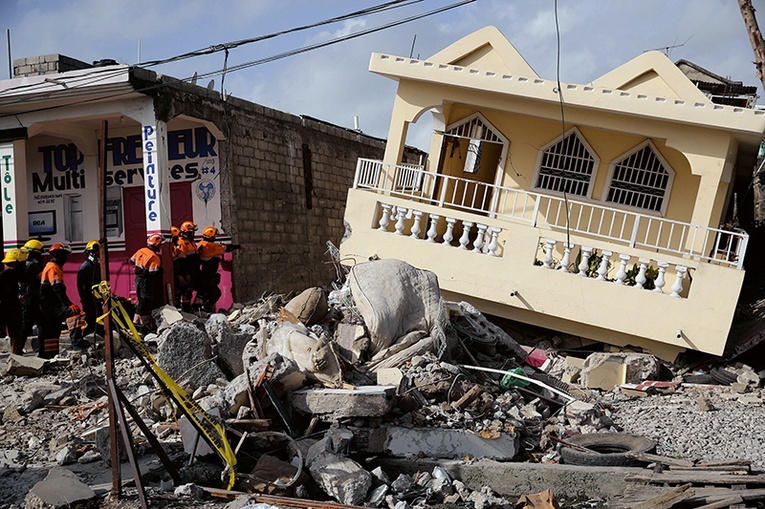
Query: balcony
[609,274]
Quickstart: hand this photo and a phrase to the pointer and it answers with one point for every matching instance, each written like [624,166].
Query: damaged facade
[610,222]
[273,182]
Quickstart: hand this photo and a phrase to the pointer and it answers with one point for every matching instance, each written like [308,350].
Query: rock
[12,414]
[228,344]
[66,456]
[89,457]
[378,495]
[341,478]
[18,365]
[183,351]
[32,399]
[390,376]
[331,404]
[486,499]
[704,404]
[190,490]
[309,307]
[103,445]
[60,488]
[581,413]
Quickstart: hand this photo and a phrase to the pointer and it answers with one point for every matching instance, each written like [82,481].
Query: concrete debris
[341,478]
[333,404]
[18,365]
[313,355]
[370,373]
[184,352]
[60,488]
[609,369]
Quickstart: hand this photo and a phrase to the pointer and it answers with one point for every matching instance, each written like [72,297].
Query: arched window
[477,132]
[640,179]
[567,165]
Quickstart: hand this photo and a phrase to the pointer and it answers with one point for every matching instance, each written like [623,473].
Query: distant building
[272,181]
[598,210]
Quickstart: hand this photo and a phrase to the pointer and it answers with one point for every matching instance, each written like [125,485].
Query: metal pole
[108,344]
[8,43]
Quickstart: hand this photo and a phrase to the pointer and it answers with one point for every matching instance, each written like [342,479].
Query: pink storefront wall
[121,276]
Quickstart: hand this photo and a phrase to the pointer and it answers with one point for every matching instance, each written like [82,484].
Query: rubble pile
[315,389]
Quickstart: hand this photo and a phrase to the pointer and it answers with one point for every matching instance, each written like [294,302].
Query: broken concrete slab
[19,365]
[184,351]
[435,443]
[602,370]
[166,316]
[341,478]
[60,488]
[191,437]
[331,404]
[390,376]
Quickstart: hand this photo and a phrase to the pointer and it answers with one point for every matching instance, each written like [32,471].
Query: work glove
[74,309]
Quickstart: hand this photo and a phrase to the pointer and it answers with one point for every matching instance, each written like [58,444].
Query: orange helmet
[154,240]
[188,226]
[60,246]
[175,231]
[210,232]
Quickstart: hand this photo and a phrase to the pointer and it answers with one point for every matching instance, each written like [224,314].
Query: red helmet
[154,240]
[210,232]
[60,246]
[188,226]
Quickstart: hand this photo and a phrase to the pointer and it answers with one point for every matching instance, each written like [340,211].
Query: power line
[245,65]
[235,44]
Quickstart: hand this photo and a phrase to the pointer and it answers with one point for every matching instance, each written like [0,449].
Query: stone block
[183,350]
[331,404]
[435,443]
[228,344]
[390,376]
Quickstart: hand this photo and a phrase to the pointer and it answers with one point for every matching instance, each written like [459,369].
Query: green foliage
[651,273]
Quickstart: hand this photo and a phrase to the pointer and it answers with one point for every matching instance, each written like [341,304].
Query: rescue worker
[12,291]
[89,275]
[210,255]
[54,303]
[175,233]
[188,265]
[148,281]
[31,313]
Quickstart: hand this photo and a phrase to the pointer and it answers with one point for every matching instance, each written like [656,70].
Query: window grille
[567,166]
[475,129]
[640,180]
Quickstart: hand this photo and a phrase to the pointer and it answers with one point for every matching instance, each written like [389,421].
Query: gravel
[682,429]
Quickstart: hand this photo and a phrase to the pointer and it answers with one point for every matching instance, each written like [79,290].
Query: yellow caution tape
[205,424]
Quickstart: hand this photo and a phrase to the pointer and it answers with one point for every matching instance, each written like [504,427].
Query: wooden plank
[722,503]
[702,477]
[667,499]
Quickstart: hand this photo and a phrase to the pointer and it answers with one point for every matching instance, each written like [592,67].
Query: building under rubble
[274,182]
[596,209]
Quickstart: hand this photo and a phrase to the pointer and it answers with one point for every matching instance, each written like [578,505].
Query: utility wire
[235,44]
[562,124]
[241,66]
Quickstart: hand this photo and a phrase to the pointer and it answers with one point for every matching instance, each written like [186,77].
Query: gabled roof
[485,49]
[651,73]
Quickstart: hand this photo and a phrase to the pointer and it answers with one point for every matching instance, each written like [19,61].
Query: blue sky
[333,83]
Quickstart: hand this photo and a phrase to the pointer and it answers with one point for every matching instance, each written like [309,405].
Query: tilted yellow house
[593,209]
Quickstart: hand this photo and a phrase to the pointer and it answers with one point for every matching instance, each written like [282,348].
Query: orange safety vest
[52,274]
[147,260]
[185,248]
[208,250]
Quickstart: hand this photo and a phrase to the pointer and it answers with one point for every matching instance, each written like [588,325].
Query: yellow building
[592,209]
